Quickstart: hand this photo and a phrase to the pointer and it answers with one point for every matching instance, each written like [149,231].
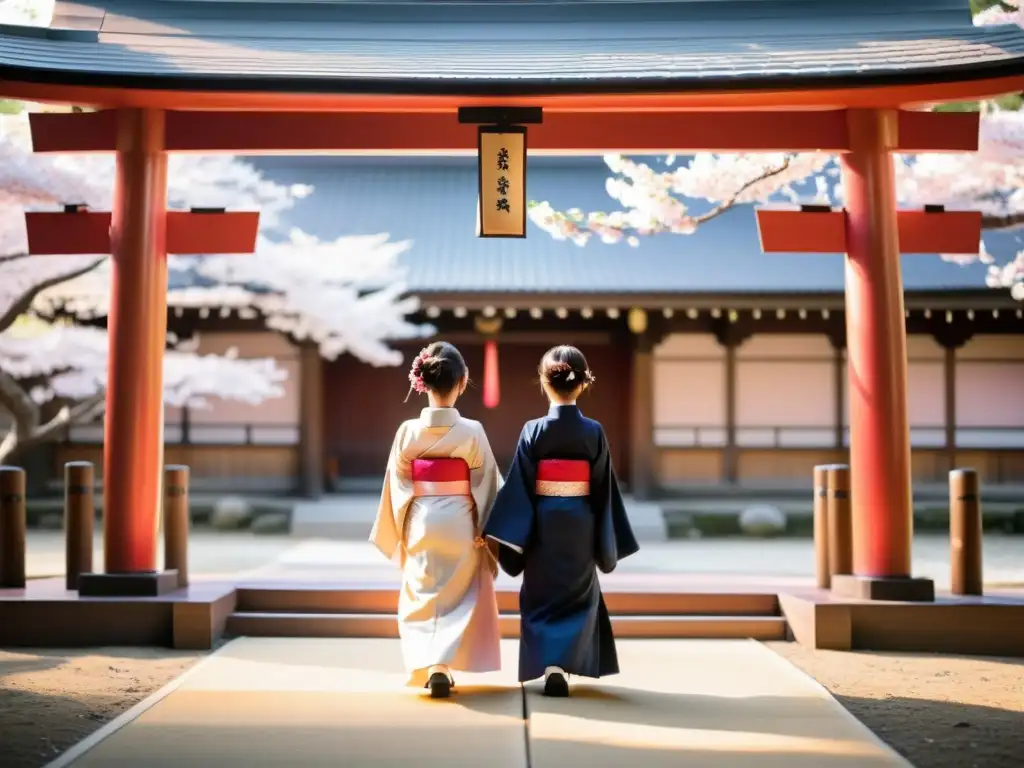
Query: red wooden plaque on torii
[820,229]
[196,232]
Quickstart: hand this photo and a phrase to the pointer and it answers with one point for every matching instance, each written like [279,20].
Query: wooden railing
[827,436]
[198,433]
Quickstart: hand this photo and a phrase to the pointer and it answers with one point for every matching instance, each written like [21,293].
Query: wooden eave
[476,301]
[415,55]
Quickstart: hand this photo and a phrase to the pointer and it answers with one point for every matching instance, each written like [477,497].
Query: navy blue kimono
[558,544]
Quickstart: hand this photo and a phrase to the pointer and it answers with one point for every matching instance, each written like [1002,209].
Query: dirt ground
[939,711]
[52,699]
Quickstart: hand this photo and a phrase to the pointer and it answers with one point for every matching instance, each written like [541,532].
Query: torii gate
[615,88]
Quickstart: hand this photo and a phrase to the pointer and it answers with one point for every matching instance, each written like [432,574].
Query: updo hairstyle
[565,370]
[438,368]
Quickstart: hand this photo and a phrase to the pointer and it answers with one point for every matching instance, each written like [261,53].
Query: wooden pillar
[840,523]
[176,521]
[951,338]
[137,325]
[642,478]
[838,341]
[79,520]
[731,337]
[13,528]
[876,338]
[965,533]
[949,394]
[730,463]
[877,351]
[311,421]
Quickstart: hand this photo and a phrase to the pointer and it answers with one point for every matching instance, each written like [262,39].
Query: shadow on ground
[50,699]
[942,734]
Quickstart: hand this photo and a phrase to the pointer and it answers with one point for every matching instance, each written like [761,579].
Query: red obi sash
[440,477]
[563,477]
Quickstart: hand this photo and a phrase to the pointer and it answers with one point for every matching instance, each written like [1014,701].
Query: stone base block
[151,584]
[908,590]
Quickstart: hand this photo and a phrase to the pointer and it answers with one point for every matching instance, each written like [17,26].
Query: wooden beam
[188,233]
[727,97]
[796,231]
[561,132]
[945,232]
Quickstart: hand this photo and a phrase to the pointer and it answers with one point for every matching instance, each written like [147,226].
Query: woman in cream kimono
[440,484]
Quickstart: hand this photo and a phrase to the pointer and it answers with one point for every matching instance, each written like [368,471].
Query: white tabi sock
[548,671]
[439,668]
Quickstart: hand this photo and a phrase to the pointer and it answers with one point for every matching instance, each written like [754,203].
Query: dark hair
[565,370]
[438,367]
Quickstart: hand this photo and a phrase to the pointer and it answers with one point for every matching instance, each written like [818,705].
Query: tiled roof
[432,202]
[485,46]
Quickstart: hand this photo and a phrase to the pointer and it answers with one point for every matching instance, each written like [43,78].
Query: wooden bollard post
[79,520]
[12,528]
[840,522]
[965,533]
[176,521]
[821,538]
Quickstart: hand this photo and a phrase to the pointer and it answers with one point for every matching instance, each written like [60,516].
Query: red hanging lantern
[492,384]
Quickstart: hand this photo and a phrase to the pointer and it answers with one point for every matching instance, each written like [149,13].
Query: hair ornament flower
[416,372]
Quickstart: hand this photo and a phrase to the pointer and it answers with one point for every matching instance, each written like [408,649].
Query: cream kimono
[447,611]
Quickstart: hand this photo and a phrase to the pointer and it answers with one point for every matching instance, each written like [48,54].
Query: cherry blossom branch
[17,402]
[21,305]
[729,203]
[1005,221]
[28,428]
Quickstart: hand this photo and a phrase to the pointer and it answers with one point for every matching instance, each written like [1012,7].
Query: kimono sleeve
[385,534]
[485,479]
[614,538]
[511,520]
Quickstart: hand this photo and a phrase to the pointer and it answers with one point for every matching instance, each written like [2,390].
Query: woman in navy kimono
[559,518]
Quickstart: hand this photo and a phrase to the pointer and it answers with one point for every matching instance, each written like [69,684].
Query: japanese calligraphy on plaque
[502,170]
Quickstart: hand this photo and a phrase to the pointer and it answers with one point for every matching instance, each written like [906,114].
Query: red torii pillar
[873,233]
[137,325]
[876,353]
[138,234]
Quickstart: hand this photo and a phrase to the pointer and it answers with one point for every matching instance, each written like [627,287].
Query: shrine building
[710,405]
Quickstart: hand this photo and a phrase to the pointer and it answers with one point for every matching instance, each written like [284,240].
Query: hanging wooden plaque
[501,163]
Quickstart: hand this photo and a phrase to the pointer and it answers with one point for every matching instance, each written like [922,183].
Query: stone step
[377,625]
[332,600]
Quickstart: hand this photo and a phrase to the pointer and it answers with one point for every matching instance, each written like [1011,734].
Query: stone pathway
[327,702]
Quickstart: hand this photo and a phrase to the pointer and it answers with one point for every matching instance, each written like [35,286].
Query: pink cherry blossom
[658,201]
[345,295]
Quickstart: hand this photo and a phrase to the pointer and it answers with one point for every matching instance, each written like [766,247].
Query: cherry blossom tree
[678,198]
[345,295]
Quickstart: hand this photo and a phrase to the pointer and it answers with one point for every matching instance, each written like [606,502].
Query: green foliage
[977,6]
[1010,102]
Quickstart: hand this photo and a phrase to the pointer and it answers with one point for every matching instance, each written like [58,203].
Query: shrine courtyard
[302,701]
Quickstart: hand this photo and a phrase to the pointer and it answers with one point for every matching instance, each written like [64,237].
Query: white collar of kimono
[439,417]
